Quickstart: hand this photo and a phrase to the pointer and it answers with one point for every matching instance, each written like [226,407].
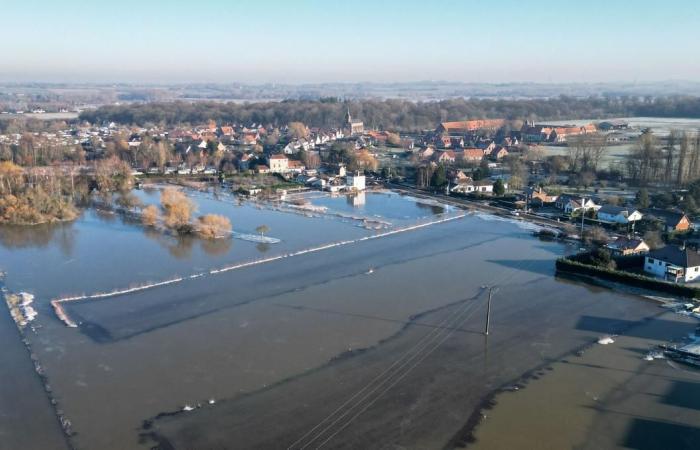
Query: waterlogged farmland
[361,328]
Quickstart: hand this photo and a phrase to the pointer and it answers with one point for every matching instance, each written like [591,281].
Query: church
[353,127]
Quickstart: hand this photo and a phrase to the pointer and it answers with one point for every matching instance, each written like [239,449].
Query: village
[496,162]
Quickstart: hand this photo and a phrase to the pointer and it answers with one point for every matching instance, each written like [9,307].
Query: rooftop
[681,257]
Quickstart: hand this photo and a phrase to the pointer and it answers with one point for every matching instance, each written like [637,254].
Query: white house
[571,204]
[278,163]
[673,263]
[482,186]
[355,182]
[618,214]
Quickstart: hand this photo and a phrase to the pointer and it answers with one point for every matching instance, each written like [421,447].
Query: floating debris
[20,308]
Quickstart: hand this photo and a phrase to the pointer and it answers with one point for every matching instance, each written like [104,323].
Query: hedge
[565,265]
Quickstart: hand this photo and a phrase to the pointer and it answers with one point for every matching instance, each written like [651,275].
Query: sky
[309,41]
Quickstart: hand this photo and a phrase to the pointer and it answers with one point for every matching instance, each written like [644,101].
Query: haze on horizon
[315,41]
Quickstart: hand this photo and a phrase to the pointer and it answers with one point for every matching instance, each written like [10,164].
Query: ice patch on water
[524,225]
[652,355]
[606,340]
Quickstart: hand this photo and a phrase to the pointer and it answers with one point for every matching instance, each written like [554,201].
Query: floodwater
[374,343]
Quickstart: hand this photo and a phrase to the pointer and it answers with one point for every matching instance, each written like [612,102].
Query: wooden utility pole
[488,312]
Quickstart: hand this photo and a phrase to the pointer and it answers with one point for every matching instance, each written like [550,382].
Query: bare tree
[670,154]
[682,159]
[647,157]
[586,151]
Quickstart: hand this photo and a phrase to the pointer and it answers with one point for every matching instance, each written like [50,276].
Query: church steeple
[348,117]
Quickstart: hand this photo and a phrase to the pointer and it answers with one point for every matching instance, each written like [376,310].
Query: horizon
[274,42]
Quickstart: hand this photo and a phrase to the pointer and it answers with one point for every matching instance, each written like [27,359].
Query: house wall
[683,225]
[655,267]
[278,165]
[635,216]
[658,269]
[356,182]
[692,273]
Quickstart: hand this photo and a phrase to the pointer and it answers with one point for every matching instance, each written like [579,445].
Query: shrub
[212,226]
[149,215]
[178,210]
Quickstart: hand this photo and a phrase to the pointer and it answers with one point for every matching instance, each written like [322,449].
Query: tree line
[391,114]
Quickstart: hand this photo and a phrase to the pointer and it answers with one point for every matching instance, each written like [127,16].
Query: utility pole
[583,213]
[488,312]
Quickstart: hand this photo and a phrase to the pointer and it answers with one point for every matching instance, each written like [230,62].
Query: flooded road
[371,344]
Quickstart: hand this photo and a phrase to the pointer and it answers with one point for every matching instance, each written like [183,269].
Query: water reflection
[105,215]
[263,247]
[434,209]
[357,200]
[214,247]
[180,247]
[38,236]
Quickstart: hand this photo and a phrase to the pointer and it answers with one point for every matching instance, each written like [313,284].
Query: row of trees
[675,163]
[391,114]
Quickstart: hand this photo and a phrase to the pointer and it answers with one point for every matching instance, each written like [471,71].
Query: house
[249,138]
[626,246]
[497,153]
[473,154]
[559,134]
[355,182]
[671,220]
[295,166]
[262,168]
[553,133]
[458,176]
[481,186]
[446,157]
[535,133]
[617,124]
[677,264]
[537,196]
[571,204]
[445,141]
[278,163]
[467,126]
[618,214]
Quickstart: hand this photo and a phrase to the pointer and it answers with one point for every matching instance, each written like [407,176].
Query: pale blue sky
[310,41]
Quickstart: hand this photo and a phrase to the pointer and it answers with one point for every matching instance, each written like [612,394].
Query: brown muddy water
[373,344]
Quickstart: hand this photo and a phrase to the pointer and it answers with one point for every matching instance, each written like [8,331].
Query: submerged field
[374,341]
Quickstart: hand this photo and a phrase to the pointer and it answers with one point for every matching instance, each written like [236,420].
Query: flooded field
[340,336]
